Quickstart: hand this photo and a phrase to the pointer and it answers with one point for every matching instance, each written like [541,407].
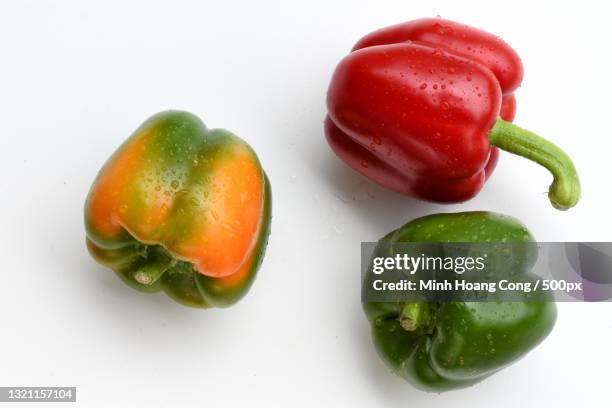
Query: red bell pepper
[420,108]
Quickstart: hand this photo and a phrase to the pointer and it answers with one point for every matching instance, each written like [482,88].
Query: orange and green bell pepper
[182,209]
[440,346]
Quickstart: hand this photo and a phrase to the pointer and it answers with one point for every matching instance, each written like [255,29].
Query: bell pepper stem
[153,269]
[415,316]
[564,192]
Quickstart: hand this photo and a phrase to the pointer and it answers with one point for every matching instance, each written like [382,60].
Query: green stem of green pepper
[417,316]
[564,192]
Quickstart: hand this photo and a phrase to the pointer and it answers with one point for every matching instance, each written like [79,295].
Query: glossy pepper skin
[420,107]
[182,209]
[449,345]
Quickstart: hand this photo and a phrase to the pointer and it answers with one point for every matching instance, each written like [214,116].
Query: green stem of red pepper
[564,192]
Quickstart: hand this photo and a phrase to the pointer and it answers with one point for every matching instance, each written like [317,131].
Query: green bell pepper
[439,346]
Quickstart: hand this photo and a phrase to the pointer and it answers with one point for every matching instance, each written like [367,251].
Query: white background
[77,78]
